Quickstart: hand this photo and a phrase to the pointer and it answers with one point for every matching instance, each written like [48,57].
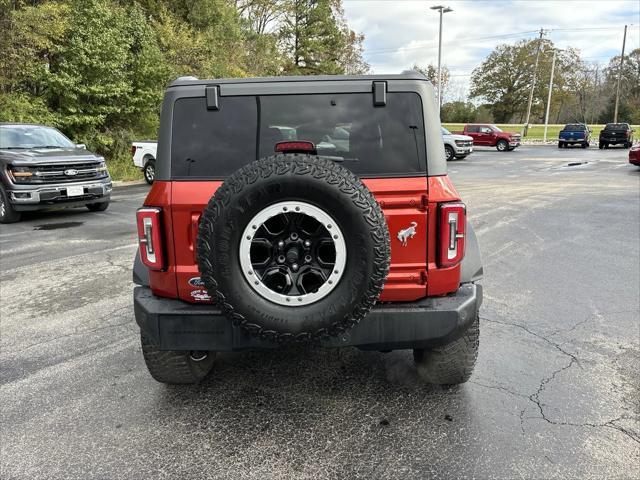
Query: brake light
[150,237]
[295,147]
[452,223]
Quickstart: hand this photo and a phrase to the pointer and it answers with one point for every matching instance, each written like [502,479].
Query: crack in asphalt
[535,397]
[535,334]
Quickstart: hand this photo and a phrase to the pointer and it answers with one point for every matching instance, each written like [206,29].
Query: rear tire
[174,366]
[560,145]
[450,364]
[7,212]
[600,146]
[98,207]
[585,145]
[149,171]
[502,146]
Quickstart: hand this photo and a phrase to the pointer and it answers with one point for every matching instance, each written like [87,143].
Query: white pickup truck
[455,145]
[144,157]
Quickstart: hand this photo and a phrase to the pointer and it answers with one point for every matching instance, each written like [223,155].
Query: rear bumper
[613,140]
[177,325]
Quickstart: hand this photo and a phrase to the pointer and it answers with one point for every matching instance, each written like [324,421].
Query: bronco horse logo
[407,233]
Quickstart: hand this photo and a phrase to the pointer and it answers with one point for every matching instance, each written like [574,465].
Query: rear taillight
[150,237]
[452,223]
[133,149]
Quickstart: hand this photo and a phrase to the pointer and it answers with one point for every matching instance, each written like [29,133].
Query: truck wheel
[149,171]
[502,146]
[560,145]
[7,213]
[173,366]
[450,364]
[606,145]
[600,145]
[98,207]
[293,247]
[450,153]
[585,144]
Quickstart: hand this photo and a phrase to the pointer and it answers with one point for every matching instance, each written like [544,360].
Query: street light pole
[442,11]
[615,111]
[546,115]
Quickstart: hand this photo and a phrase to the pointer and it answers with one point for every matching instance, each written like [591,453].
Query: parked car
[41,168]
[634,155]
[360,243]
[456,146]
[616,134]
[574,134]
[144,157]
[489,135]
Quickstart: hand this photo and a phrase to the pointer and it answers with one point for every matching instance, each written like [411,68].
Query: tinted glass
[212,143]
[32,136]
[616,126]
[369,140]
[473,129]
[574,127]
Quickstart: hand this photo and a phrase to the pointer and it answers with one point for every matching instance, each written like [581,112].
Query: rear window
[616,126]
[574,127]
[370,141]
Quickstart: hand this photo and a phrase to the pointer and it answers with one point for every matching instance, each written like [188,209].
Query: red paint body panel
[413,272]
[634,155]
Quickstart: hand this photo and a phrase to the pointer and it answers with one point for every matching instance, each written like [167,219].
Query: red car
[488,135]
[314,210]
[634,155]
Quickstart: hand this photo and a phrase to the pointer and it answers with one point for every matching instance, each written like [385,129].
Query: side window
[473,129]
[486,130]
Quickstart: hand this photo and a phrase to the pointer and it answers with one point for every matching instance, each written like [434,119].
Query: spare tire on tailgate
[293,246]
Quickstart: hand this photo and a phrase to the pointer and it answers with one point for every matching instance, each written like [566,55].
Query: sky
[400,33]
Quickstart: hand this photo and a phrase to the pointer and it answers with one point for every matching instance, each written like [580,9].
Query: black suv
[616,134]
[41,168]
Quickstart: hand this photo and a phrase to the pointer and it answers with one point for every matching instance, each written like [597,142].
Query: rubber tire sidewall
[330,187]
[10,215]
[151,163]
[449,152]
[502,142]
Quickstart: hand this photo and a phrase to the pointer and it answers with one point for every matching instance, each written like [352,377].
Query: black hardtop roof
[407,75]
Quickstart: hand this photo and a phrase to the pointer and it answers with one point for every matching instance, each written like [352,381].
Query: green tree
[458,112]
[315,39]
[504,79]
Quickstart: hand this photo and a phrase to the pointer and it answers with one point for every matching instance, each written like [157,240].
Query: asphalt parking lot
[555,393]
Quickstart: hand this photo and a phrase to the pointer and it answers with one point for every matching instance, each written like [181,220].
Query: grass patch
[122,168]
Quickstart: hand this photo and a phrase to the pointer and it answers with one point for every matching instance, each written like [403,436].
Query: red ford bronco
[313,210]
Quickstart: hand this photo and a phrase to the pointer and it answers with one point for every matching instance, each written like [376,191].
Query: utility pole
[615,112]
[546,115]
[533,84]
[442,10]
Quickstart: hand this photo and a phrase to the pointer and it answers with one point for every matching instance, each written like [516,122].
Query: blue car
[574,133]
